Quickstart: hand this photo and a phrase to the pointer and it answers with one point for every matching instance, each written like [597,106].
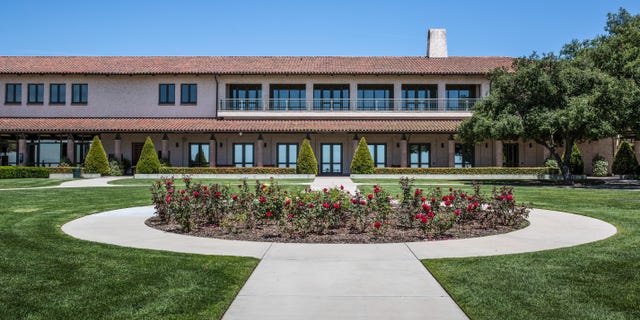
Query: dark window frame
[428,102]
[238,93]
[372,104]
[287,103]
[374,155]
[191,96]
[60,90]
[511,154]
[16,93]
[420,163]
[286,163]
[338,97]
[200,149]
[79,93]
[35,93]
[169,97]
[464,150]
[243,161]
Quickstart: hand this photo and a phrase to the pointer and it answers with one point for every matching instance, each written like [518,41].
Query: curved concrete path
[342,281]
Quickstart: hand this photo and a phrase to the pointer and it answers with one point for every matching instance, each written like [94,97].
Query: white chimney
[437,43]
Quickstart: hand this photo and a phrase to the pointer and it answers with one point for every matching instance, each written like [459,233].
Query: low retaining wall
[61,176]
[226,176]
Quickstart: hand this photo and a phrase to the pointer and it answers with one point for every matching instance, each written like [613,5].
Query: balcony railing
[397,105]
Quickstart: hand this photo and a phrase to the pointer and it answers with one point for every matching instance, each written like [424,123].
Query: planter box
[226,176]
[466,176]
[90,175]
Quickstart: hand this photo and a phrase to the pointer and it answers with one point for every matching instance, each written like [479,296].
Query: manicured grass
[593,281]
[30,182]
[46,274]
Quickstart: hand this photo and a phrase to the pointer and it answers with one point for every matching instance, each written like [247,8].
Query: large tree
[552,100]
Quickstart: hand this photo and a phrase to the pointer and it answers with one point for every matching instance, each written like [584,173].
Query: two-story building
[254,111]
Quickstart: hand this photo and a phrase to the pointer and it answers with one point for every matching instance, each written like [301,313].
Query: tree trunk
[565,169]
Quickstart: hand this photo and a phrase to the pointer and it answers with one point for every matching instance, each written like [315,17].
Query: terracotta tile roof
[207,125]
[250,65]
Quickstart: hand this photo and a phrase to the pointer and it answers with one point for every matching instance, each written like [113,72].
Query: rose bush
[245,207]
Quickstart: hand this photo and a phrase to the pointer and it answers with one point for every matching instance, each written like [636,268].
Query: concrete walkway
[92,182]
[320,183]
[342,281]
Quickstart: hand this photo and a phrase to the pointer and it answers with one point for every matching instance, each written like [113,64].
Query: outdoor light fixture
[177,145]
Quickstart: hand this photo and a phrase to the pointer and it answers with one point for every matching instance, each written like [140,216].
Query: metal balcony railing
[320,105]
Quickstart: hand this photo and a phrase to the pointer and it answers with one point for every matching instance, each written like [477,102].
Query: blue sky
[326,27]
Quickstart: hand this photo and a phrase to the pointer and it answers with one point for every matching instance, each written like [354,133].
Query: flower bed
[266,212]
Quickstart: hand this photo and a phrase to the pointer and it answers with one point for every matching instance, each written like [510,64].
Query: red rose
[207,192]
[290,216]
[363,202]
[341,187]
[457,212]
[186,198]
[269,214]
[426,207]
[288,202]
[423,199]
[431,214]
[450,189]
[204,187]
[217,194]
[170,191]
[424,219]
[311,205]
[196,194]
[418,192]
[336,206]
[167,199]
[325,205]
[470,207]
[263,186]
[419,215]
[433,200]
[476,204]
[447,203]
[370,196]
[182,191]
[377,224]
[445,198]
[376,190]
[353,200]
[169,183]
[234,197]
[262,199]
[324,190]
[509,197]
[452,197]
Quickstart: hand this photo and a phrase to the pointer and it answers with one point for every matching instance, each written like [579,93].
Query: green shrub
[576,162]
[600,166]
[148,162]
[624,162]
[551,163]
[10,172]
[115,169]
[96,159]
[474,170]
[226,170]
[362,162]
[307,163]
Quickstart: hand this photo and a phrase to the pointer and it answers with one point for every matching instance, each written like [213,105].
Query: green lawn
[30,182]
[592,281]
[46,274]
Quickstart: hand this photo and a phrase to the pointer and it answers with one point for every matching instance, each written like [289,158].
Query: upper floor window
[79,93]
[13,93]
[189,93]
[167,93]
[36,93]
[244,97]
[331,97]
[375,97]
[58,93]
[419,97]
[460,96]
[288,97]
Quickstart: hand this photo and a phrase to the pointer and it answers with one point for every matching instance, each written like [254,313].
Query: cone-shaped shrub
[96,160]
[624,162]
[307,163]
[576,162]
[149,162]
[362,162]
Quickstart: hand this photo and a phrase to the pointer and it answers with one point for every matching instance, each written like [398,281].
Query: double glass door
[331,155]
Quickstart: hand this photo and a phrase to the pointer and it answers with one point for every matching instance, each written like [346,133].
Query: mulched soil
[340,235]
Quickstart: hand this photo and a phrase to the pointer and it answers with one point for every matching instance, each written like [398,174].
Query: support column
[451,146]
[165,147]
[22,151]
[117,147]
[442,95]
[353,95]
[265,95]
[71,148]
[497,149]
[212,150]
[354,145]
[403,151]
[260,151]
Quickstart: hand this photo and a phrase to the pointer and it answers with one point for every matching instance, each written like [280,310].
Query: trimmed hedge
[226,170]
[148,162]
[96,160]
[58,170]
[362,162]
[624,161]
[10,172]
[476,170]
[307,163]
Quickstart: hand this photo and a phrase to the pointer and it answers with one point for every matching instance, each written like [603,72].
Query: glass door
[331,155]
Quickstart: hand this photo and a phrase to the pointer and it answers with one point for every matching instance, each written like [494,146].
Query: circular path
[342,281]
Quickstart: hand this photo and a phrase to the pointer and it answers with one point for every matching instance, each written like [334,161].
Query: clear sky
[326,27]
